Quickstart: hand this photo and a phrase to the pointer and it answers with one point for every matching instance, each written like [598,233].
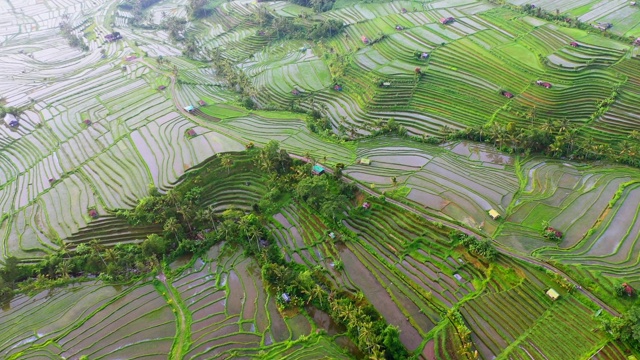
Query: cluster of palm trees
[553,138]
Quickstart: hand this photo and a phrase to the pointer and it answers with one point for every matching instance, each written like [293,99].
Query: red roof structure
[545,84]
[627,289]
[366,206]
[574,44]
[404,10]
[364,39]
[507,94]
[337,87]
[161,87]
[201,103]
[93,213]
[87,122]
[191,133]
[445,21]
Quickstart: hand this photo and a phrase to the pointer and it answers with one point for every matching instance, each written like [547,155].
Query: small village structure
[494,214]
[11,120]
[542,83]
[551,293]
[445,21]
[114,36]
[317,170]
[603,26]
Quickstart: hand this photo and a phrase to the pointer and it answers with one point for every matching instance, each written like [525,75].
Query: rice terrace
[320,179]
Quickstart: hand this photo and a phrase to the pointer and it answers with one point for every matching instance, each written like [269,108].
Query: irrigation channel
[501,249]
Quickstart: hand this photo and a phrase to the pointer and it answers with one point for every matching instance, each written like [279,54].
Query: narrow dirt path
[183,335]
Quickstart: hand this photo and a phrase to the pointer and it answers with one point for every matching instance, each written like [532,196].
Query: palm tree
[227,161]
[172,226]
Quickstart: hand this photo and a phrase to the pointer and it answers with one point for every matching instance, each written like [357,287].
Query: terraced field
[99,128]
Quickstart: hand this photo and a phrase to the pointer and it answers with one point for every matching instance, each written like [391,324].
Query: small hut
[51,180]
[337,87]
[189,108]
[399,27]
[295,92]
[494,214]
[93,213]
[317,170]
[445,21]
[130,58]
[87,122]
[202,103]
[114,36]
[191,133]
[575,44]
[386,84]
[404,10]
[11,120]
[161,87]
[627,289]
[365,161]
[424,56]
[542,83]
[364,39]
[366,206]
[286,298]
[637,42]
[633,3]
[553,294]
[507,94]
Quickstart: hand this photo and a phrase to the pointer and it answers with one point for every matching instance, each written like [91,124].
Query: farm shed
[189,108]
[161,87]
[93,213]
[494,214]
[542,83]
[553,294]
[87,122]
[365,161]
[11,120]
[627,289]
[445,21]
[507,94]
[424,55]
[295,92]
[202,103]
[574,44]
[386,84]
[366,206]
[317,170]
[364,39]
[191,133]
[285,297]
